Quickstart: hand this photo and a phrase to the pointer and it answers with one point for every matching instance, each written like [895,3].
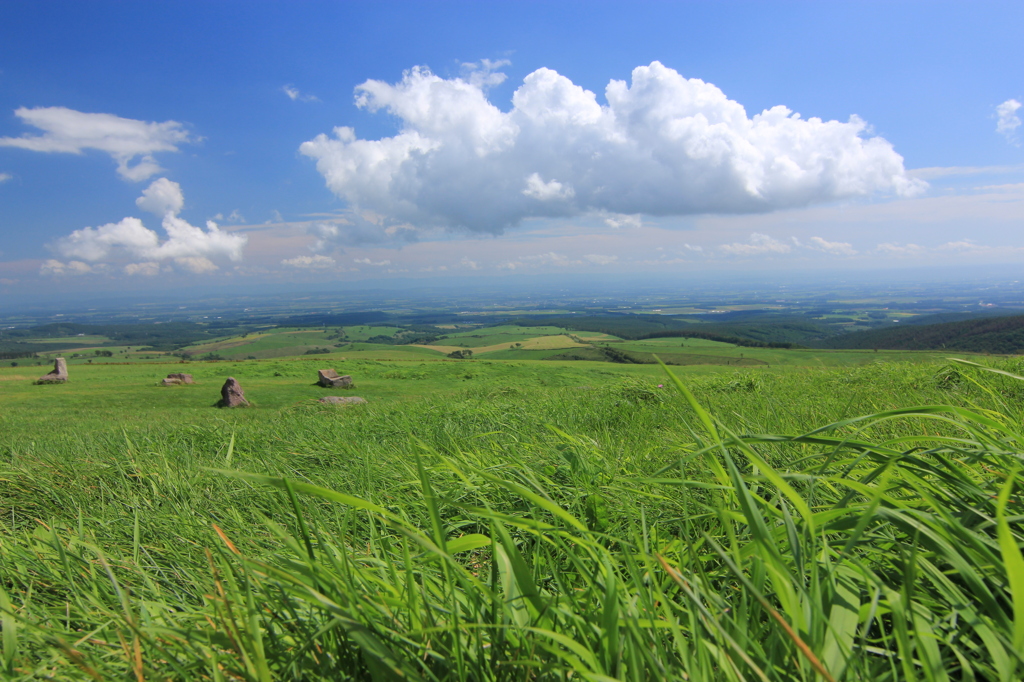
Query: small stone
[231,394]
[59,375]
[342,400]
[330,379]
[182,378]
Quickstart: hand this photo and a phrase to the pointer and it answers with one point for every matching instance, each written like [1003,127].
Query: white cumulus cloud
[72,132]
[662,145]
[163,196]
[546,191]
[1007,120]
[190,247]
[757,245]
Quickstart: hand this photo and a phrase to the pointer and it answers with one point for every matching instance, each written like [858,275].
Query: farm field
[565,346]
[278,343]
[477,507]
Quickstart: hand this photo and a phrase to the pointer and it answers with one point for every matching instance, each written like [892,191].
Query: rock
[181,378]
[171,382]
[231,394]
[330,379]
[59,375]
[342,400]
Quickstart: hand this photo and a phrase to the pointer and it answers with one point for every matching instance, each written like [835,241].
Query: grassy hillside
[987,335]
[486,520]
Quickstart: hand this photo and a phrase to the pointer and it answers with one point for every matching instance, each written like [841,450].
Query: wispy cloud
[963,245]
[835,248]
[619,221]
[894,249]
[72,132]
[234,217]
[317,262]
[934,172]
[759,244]
[58,269]
[4,177]
[296,96]
[147,269]
[484,73]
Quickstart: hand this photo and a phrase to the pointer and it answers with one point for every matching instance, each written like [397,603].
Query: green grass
[489,520]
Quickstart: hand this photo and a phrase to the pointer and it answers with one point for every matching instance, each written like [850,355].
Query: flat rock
[181,378]
[342,400]
[172,382]
[59,375]
[231,394]
[330,379]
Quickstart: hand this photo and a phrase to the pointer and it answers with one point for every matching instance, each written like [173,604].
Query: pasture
[505,520]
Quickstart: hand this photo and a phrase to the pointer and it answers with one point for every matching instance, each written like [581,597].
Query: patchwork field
[506,342]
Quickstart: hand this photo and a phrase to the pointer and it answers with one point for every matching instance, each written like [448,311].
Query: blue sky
[332,141]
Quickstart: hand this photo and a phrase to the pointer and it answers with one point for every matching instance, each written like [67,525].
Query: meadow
[517,519]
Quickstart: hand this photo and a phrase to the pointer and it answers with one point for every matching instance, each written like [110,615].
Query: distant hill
[985,335]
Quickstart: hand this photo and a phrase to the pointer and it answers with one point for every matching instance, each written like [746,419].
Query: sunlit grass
[733,527]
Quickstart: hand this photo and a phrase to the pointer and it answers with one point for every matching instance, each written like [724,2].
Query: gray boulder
[231,394]
[330,379]
[59,375]
[180,378]
[342,400]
